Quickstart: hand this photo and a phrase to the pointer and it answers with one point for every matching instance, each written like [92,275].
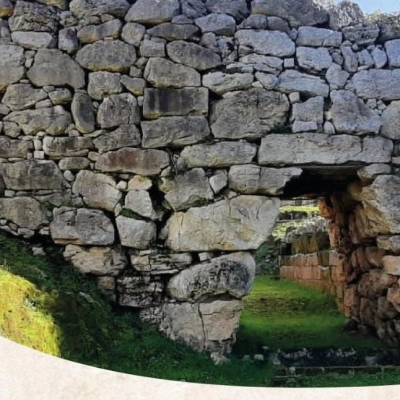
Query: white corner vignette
[27,374]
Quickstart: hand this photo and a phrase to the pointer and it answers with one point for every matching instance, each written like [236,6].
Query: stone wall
[154,139]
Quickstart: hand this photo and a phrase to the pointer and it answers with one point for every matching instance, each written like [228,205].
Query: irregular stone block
[391,121]
[294,81]
[317,37]
[103,84]
[393,52]
[139,291]
[73,163]
[345,14]
[311,110]
[220,83]
[173,31]
[153,12]
[336,76]
[89,8]
[160,264]
[390,243]
[57,148]
[133,33]
[67,40]
[139,202]
[21,96]
[313,59]
[136,233]
[83,113]
[34,40]
[370,172]
[81,226]
[11,65]
[93,33]
[237,8]
[219,24]
[6,8]
[242,223]
[361,35]
[124,136]
[14,148]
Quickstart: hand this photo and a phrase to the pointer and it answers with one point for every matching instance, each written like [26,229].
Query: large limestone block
[97,190]
[81,226]
[97,261]
[237,8]
[377,84]
[34,40]
[187,190]
[294,81]
[53,120]
[193,55]
[22,95]
[24,211]
[52,67]
[252,179]
[391,121]
[93,33]
[83,113]
[393,52]
[305,12]
[219,24]
[32,175]
[164,73]
[220,83]
[88,8]
[10,148]
[11,65]
[173,31]
[308,148]
[60,147]
[136,233]
[313,59]
[112,56]
[153,12]
[242,223]
[381,201]
[248,114]
[218,155]
[102,84]
[232,274]
[344,14]
[137,161]
[317,37]
[139,201]
[124,136]
[272,43]
[160,264]
[175,102]
[174,131]
[351,115]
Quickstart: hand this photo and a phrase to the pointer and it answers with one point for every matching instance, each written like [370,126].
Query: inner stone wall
[153,139]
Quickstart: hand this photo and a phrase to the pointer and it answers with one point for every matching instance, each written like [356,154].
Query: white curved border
[27,374]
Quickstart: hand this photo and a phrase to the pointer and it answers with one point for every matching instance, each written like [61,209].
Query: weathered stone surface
[361,35]
[112,56]
[139,201]
[306,148]
[118,109]
[152,48]
[390,243]
[164,73]
[32,175]
[67,40]
[97,261]
[159,264]
[351,115]
[218,155]
[173,31]
[23,211]
[11,65]
[97,190]
[232,274]
[311,110]
[139,182]
[53,120]
[175,102]
[81,227]
[252,179]
[6,8]
[102,84]
[317,37]
[220,24]
[391,121]
[83,113]
[237,8]
[377,84]
[136,233]
[124,136]
[73,163]
[307,12]
[14,148]
[174,131]
[193,55]
[391,265]
[248,114]
[272,43]
[344,14]
[134,85]
[381,201]
[262,63]
[336,77]
[193,8]
[139,291]
[137,161]
[22,95]
[393,296]
[350,63]
[90,8]
[133,33]
[186,190]
[60,97]
[220,83]
[93,33]
[34,40]
[153,12]
[370,172]
[294,81]
[242,223]
[59,147]
[313,59]
[55,68]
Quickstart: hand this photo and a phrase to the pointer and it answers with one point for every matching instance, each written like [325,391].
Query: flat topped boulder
[90,8]
[153,12]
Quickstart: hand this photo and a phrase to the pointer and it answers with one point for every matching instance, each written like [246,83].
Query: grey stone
[256,21]
[361,35]
[55,68]
[248,114]
[236,8]
[391,121]
[313,59]
[306,148]
[153,12]
[175,102]
[32,175]
[380,57]
[193,55]
[193,8]
[231,274]
[268,81]
[220,83]
[152,48]
[220,24]
[365,59]
[33,40]
[294,81]
[378,84]
[14,148]
[311,110]
[134,85]
[317,37]
[390,28]
[83,113]
[157,264]
[350,59]
[124,136]
[97,190]
[393,52]
[90,8]
[21,96]
[137,161]
[133,33]
[174,131]
[242,223]
[263,63]
[344,14]
[164,73]
[59,147]
[370,172]
[139,201]
[112,56]
[97,261]
[6,8]
[351,115]
[218,155]
[118,109]
[302,126]
[173,31]
[136,233]
[73,163]
[11,65]
[23,211]
[336,76]
[81,227]
[272,43]
[53,120]
[186,190]
[68,41]
[93,33]
[390,243]
[103,84]
[60,97]
[139,182]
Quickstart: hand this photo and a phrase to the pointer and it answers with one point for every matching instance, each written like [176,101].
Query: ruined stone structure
[154,140]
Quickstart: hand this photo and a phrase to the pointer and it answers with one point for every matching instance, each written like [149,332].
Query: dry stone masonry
[154,140]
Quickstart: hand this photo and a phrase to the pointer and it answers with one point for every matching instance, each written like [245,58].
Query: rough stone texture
[313,59]
[294,81]
[345,14]
[161,264]
[173,31]
[152,11]
[391,243]
[83,113]
[21,96]
[93,33]
[34,40]
[102,84]
[139,291]
[317,37]
[59,147]
[237,8]
[135,233]
[124,136]
[220,83]
[391,121]
[91,8]
[11,65]
[14,148]
[139,201]
[213,228]
[220,24]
